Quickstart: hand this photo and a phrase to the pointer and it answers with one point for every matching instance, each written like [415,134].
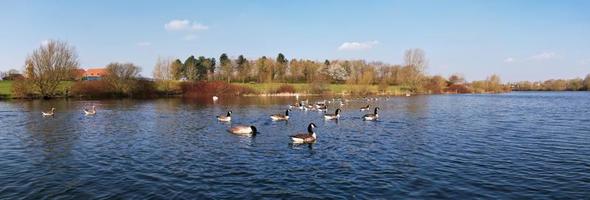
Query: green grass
[265,88]
[5,87]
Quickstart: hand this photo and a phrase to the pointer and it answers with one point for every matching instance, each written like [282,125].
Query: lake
[519,145]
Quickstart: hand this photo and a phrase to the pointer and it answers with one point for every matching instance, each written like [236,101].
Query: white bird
[50,113]
[215,98]
[91,111]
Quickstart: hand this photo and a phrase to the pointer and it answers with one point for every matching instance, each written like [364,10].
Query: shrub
[361,90]
[319,87]
[92,89]
[22,89]
[458,88]
[144,89]
[285,89]
[204,88]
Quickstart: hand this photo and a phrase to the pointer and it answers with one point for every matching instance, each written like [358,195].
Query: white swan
[50,113]
[90,112]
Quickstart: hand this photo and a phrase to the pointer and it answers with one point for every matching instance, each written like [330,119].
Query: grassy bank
[6,88]
[269,88]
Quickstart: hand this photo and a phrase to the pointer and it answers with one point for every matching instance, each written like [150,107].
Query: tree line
[57,61]
[576,84]
[410,75]
[281,70]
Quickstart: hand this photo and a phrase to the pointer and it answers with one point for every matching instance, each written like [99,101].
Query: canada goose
[50,113]
[226,118]
[320,104]
[309,107]
[336,115]
[308,137]
[215,98]
[372,117]
[280,117]
[243,130]
[296,105]
[364,108]
[91,111]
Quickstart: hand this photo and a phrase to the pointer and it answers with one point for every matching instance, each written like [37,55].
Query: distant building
[78,74]
[13,77]
[94,73]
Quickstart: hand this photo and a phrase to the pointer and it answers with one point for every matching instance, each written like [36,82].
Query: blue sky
[519,40]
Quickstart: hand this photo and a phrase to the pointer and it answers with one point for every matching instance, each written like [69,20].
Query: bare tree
[415,61]
[122,77]
[50,64]
[164,73]
[494,83]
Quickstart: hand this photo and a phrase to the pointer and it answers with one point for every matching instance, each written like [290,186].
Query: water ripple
[517,146]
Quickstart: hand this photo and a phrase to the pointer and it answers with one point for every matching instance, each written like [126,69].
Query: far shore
[260,90]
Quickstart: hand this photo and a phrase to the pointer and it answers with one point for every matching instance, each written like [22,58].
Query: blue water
[505,146]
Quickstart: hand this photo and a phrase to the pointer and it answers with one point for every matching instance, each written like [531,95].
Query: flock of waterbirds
[310,136]
[250,130]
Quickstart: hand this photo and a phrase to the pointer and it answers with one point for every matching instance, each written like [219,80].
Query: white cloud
[544,56]
[355,46]
[144,44]
[184,25]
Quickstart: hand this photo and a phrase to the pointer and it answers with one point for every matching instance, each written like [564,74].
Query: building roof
[95,72]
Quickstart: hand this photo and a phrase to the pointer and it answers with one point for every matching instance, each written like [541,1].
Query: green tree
[203,68]
[190,68]
[264,70]
[177,68]
[211,64]
[226,67]
[243,68]
[281,66]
